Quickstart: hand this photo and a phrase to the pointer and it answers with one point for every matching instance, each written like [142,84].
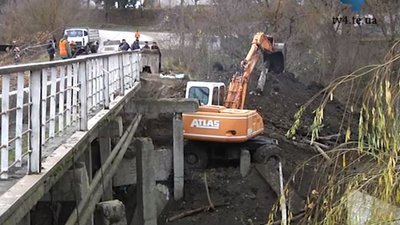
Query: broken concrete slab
[365,209]
[152,107]
[126,173]
[110,213]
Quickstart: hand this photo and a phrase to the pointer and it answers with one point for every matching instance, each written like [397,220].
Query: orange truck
[222,128]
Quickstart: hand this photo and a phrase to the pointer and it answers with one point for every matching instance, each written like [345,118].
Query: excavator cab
[208,93]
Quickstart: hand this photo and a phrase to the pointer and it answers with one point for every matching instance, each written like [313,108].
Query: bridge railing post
[83,120]
[121,74]
[132,70]
[35,151]
[106,82]
[137,63]
[4,123]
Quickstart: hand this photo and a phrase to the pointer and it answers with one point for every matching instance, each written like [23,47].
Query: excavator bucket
[276,61]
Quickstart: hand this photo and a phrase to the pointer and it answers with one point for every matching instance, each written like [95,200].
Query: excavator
[221,128]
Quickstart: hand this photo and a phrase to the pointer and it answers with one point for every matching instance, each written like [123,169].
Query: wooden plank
[101,82]
[69,96]
[98,79]
[75,93]
[61,100]
[53,85]
[94,84]
[88,85]
[45,73]
[83,97]
[106,83]
[4,124]
[19,119]
[35,96]
[121,75]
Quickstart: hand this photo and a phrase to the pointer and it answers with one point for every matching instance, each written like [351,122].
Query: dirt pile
[283,96]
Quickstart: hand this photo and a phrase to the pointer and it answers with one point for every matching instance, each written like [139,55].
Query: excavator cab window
[200,93]
[218,95]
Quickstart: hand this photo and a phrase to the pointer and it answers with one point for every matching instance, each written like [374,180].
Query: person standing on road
[154,46]
[17,52]
[135,45]
[64,48]
[51,48]
[124,46]
[146,45]
[137,35]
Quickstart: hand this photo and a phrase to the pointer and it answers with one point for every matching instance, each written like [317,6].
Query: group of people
[124,46]
[66,49]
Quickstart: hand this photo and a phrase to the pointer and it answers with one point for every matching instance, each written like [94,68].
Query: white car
[110,46]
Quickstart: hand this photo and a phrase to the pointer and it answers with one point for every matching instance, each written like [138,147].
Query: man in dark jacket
[124,46]
[51,48]
[135,45]
[146,45]
[154,46]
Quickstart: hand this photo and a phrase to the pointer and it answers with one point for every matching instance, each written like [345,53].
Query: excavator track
[262,150]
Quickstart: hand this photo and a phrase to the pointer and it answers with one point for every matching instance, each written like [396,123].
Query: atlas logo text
[206,124]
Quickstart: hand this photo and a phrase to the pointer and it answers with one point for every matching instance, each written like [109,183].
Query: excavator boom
[237,88]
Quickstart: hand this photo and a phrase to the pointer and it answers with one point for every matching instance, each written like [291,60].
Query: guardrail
[40,101]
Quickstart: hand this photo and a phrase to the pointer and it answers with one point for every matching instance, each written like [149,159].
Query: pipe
[121,147]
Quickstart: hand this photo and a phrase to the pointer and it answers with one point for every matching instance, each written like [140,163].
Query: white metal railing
[40,101]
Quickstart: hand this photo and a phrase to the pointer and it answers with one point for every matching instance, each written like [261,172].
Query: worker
[135,45]
[154,46]
[137,35]
[64,48]
[17,52]
[146,45]
[124,46]
[51,48]
[73,48]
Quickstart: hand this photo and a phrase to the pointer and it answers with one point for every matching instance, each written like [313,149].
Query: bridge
[66,128]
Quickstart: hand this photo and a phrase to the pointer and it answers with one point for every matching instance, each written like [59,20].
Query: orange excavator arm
[237,88]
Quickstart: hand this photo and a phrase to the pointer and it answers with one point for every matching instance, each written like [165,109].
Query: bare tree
[27,17]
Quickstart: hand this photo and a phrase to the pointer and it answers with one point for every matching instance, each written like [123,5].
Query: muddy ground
[244,200]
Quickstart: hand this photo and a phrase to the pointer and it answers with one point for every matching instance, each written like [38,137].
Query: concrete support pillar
[88,162]
[26,220]
[245,162]
[110,213]
[146,212]
[89,169]
[105,151]
[178,156]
